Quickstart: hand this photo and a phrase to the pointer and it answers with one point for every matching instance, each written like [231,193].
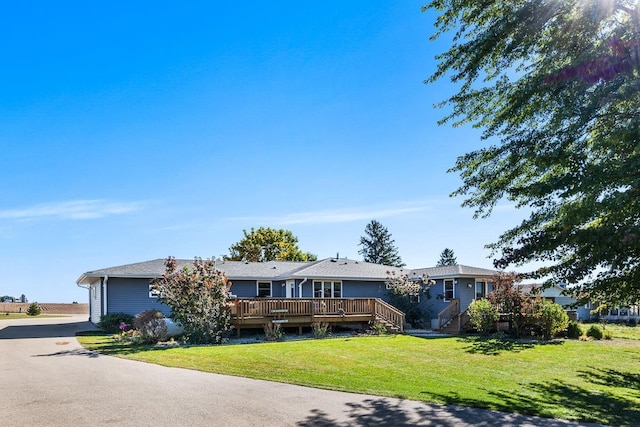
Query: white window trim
[444,289]
[333,281]
[153,294]
[485,287]
[270,287]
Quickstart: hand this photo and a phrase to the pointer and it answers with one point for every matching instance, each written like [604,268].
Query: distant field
[7,316]
[47,308]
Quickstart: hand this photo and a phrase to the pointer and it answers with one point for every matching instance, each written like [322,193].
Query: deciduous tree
[197,295]
[555,87]
[268,244]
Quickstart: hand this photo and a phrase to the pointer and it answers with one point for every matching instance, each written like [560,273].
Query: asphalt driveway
[47,379]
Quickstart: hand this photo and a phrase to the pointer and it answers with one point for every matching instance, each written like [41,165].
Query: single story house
[126,288]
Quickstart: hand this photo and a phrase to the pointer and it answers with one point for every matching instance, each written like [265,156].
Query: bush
[574,331]
[34,309]
[633,322]
[379,329]
[321,330]
[110,323]
[197,295]
[151,326]
[552,320]
[595,332]
[483,315]
[273,332]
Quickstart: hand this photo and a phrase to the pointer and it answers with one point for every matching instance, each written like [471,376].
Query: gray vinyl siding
[95,301]
[131,296]
[277,289]
[244,288]
[565,302]
[361,289]
[351,289]
[465,293]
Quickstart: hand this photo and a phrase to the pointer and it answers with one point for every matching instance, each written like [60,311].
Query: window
[153,293]
[327,289]
[449,293]
[483,289]
[264,289]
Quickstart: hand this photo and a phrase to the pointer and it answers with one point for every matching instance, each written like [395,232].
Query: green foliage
[321,330]
[273,332]
[554,85]
[34,309]
[595,332]
[483,315]
[378,246]
[511,301]
[551,319]
[378,329]
[110,323]
[150,326]
[197,295]
[268,244]
[574,331]
[447,257]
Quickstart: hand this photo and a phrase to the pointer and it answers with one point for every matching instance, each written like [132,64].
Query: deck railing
[386,311]
[246,308]
[449,313]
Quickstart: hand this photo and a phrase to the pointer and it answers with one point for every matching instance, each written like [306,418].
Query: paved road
[47,379]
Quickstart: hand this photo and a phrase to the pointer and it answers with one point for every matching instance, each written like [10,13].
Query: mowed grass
[595,381]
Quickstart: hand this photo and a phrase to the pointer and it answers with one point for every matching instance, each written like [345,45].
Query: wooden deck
[300,312]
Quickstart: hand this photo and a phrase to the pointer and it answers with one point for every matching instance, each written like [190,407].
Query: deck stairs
[452,321]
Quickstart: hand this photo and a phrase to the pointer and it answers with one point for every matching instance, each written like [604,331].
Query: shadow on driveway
[53,330]
[382,412]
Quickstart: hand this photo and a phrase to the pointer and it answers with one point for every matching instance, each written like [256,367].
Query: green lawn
[597,381]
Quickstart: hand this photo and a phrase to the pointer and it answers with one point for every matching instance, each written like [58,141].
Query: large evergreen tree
[378,246]
[268,244]
[555,85]
[447,257]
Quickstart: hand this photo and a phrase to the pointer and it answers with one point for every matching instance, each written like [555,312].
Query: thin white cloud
[335,216]
[72,210]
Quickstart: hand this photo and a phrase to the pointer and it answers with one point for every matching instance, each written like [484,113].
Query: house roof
[329,268]
[343,268]
[447,271]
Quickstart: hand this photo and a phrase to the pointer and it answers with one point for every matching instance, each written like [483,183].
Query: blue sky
[136,130]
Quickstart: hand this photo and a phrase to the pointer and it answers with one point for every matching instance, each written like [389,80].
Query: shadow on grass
[615,406]
[492,345]
[380,412]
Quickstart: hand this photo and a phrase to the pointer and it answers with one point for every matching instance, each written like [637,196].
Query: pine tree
[447,257]
[378,246]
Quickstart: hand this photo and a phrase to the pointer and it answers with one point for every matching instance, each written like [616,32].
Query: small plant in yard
[552,319]
[574,331]
[34,309]
[122,336]
[483,315]
[321,330]
[151,326]
[110,323]
[595,332]
[273,332]
[379,329]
